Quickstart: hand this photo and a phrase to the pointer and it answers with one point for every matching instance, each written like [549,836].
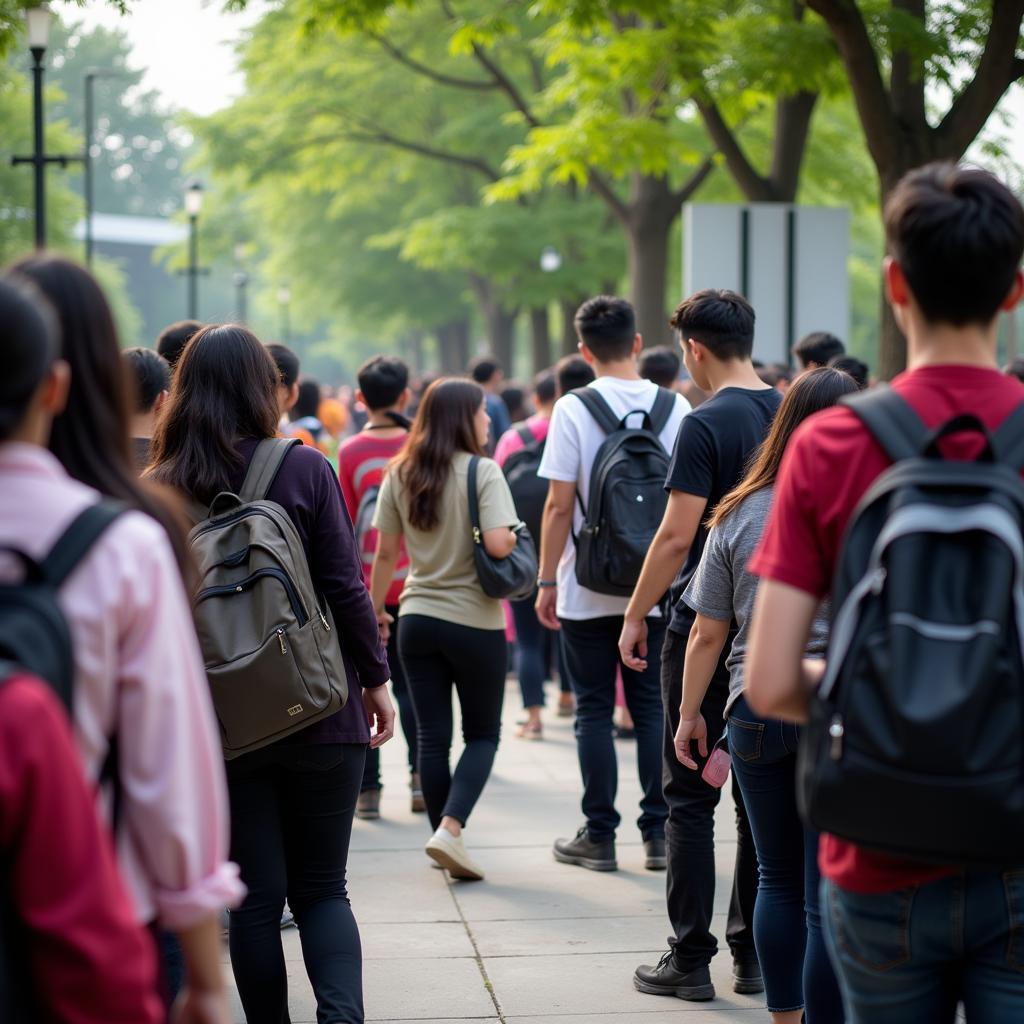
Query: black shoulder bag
[513,578]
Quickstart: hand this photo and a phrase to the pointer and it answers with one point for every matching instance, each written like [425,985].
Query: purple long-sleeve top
[307,489]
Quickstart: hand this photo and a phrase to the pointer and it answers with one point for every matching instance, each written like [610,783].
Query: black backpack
[529,491]
[34,635]
[915,743]
[627,495]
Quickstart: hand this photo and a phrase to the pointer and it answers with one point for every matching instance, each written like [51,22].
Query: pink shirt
[510,442]
[138,673]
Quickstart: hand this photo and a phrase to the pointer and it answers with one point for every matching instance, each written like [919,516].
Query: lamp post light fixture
[37,19]
[90,130]
[193,207]
[550,259]
[284,299]
[241,283]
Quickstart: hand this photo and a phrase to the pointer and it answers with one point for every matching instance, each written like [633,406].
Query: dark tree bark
[896,128]
[569,341]
[453,345]
[540,338]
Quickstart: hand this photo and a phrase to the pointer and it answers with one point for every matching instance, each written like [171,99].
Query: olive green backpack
[269,643]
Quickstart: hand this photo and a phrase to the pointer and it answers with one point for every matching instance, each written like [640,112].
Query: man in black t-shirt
[712,450]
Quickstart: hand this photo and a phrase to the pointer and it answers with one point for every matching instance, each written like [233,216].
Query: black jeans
[406,713]
[591,659]
[291,822]
[435,655]
[690,833]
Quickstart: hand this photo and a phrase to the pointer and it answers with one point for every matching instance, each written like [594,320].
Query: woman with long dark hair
[787,923]
[450,632]
[292,802]
[142,713]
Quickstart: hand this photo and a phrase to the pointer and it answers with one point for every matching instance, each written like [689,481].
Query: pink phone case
[716,771]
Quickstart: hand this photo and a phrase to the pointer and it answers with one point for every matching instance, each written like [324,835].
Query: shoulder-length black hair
[225,390]
[91,436]
[444,425]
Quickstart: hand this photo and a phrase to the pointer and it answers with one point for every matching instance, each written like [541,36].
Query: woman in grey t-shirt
[789,943]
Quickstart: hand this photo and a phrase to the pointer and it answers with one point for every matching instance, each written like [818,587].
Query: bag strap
[1008,439]
[264,467]
[891,421]
[474,501]
[598,408]
[526,435]
[664,404]
[74,543]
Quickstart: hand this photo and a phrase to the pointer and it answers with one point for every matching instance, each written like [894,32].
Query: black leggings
[436,654]
[291,822]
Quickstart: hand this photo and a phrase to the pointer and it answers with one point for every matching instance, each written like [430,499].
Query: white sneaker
[449,852]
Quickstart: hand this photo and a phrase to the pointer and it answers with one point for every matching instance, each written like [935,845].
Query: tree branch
[383,138]
[792,127]
[755,187]
[997,70]
[869,92]
[906,83]
[685,192]
[603,189]
[428,72]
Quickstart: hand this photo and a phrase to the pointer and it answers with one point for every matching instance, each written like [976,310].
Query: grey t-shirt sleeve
[710,592]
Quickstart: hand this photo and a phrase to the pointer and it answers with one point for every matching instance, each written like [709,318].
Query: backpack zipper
[836,732]
[236,588]
[280,640]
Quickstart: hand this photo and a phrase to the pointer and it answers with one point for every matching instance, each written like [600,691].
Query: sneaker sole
[590,863]
[368,815]
[691,993]
[445,860]
[656,863]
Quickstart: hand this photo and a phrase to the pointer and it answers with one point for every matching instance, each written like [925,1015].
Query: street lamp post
[38,22]
[193,207]
[90,131]
[284,298]
[241,283]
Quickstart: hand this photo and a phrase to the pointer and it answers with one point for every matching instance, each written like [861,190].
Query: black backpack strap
[74,543]
[474,501]
[662,410]
[892,422]
[1008,439]
[264,467]
[525,435]
[598,408]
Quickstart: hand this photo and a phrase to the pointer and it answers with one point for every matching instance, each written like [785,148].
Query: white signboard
[789,261]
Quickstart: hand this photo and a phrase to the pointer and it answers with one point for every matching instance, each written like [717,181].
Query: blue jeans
[591,659]
[913,954]
[535,652]
[787,920]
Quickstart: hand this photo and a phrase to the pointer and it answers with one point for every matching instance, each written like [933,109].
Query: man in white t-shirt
[589,621]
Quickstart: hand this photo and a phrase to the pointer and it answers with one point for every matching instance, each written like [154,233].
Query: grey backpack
[270,645]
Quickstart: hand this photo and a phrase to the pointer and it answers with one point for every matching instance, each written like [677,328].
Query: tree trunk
[569,340]
[540,338]
[499,324]
[453,345]
[653,208]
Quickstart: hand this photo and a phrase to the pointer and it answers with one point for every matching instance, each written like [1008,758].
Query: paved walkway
[537,942]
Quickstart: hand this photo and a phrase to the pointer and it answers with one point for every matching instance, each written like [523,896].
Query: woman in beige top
[449,631]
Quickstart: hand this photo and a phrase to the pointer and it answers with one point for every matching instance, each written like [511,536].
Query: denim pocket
[745,738]
[1013,885]
[872,929]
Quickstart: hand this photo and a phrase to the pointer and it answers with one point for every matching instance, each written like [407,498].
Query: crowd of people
[213,568]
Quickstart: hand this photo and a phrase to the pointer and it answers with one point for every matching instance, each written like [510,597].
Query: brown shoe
[368,805]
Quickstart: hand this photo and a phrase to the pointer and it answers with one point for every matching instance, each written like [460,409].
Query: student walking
[790,945]
[917,928]
[292,801]
[714,446]
[150,379]
[449,631]
[619,401]
[143,721]
[362,462]
[519,453]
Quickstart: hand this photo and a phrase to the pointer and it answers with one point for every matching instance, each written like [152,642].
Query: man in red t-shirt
[362,462]
[909,940]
